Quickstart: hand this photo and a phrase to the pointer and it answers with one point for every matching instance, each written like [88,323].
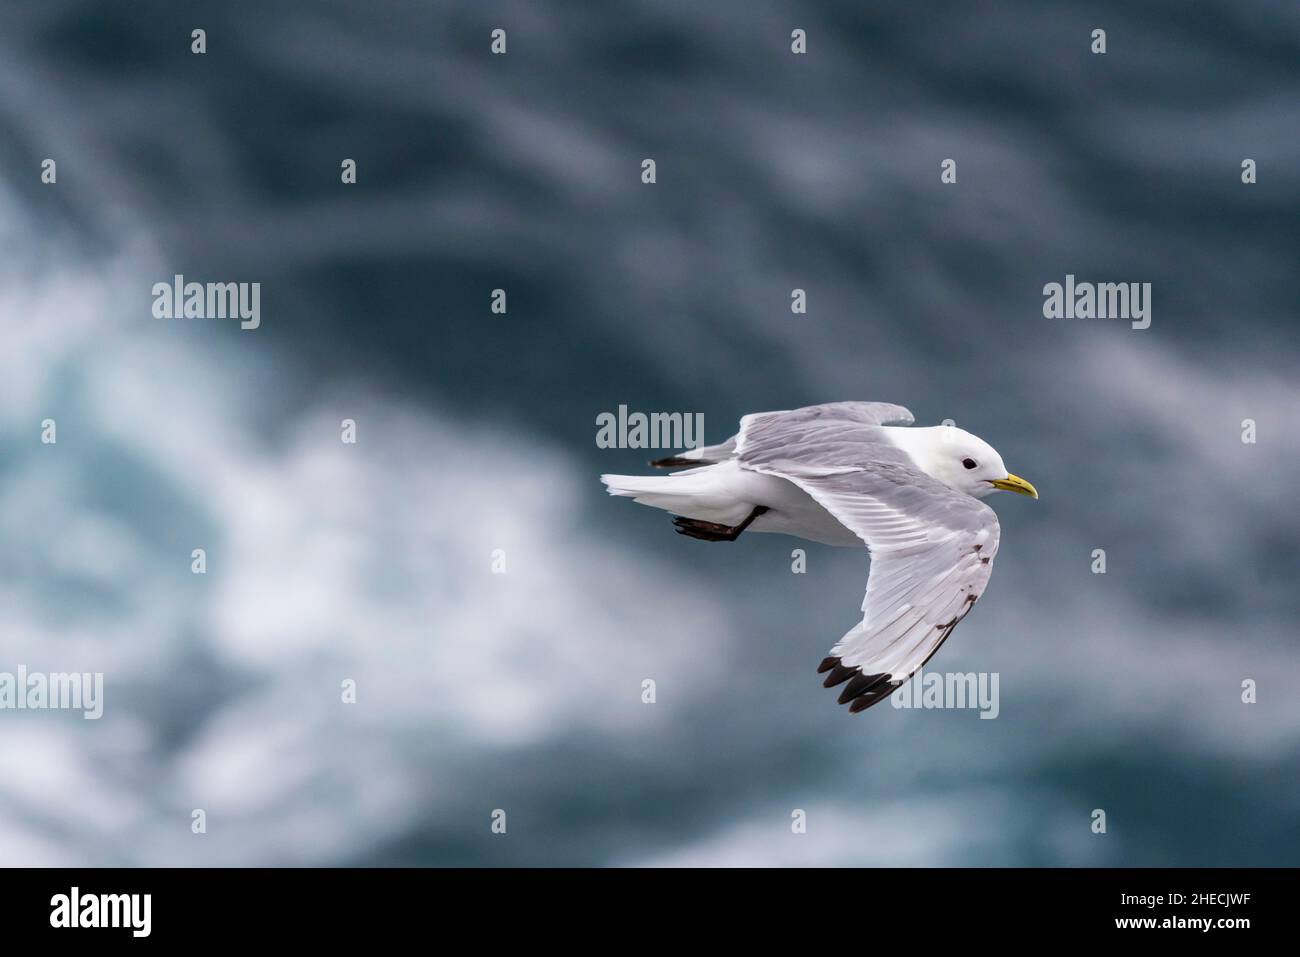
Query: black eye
[969,463]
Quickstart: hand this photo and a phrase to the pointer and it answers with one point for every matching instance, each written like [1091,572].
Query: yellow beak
[1014,483]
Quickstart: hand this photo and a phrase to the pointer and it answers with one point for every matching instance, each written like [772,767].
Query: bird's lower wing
[932,547]
[915,597]
[925,577]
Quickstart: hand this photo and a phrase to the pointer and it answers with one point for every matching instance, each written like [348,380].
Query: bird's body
[726,493]
[849,474]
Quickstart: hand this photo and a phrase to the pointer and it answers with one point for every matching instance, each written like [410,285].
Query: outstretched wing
[810,416]
[816,418]
[932,547]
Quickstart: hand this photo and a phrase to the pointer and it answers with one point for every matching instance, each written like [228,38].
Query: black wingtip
[672,462]
[866,701]
[839,674]
[862,690]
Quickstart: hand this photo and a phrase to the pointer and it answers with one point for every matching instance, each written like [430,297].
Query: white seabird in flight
[851,473]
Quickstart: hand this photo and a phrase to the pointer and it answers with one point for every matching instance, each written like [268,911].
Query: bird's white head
[959,460]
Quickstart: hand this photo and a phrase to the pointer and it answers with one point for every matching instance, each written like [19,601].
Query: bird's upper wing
[830,415]
[861,413]
[932,547]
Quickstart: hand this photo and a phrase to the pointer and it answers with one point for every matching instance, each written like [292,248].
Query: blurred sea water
[522,692]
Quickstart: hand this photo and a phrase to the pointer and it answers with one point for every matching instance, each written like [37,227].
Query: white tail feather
[695,493]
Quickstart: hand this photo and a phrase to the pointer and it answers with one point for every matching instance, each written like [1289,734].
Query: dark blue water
[522,691]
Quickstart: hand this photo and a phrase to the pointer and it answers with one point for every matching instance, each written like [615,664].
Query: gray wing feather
[812,416]
[932,547]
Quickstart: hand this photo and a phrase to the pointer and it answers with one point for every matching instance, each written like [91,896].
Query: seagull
[854,474]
